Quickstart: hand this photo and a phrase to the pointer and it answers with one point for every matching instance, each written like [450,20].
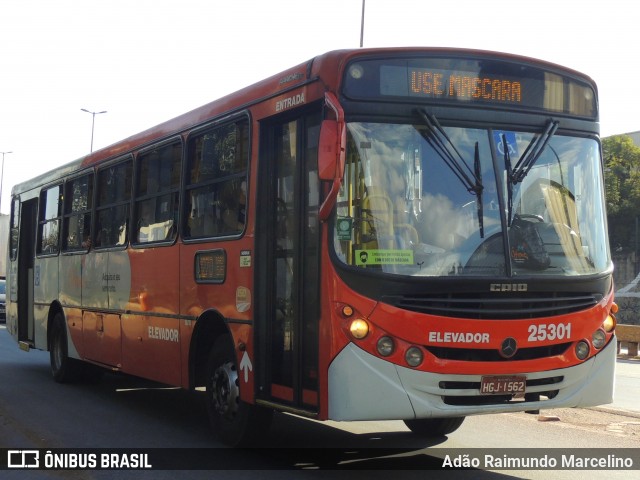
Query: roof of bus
[327,67]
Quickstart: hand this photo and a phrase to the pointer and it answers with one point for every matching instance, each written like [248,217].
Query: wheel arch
[210,325]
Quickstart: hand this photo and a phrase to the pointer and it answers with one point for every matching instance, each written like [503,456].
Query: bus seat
[377,220]
[406,235]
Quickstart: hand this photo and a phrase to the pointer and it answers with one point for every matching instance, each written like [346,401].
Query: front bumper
[365,387]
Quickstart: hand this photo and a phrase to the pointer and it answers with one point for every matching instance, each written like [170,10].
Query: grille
[482,306]
[479,355]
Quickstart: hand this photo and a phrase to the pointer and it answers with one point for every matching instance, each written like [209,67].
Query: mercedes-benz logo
[509,347]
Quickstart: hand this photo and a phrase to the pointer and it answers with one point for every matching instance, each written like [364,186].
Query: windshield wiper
[443,146]
[507,167]
[527,160]
[478,175]
[533,152]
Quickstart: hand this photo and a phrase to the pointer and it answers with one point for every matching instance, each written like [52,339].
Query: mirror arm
[329,201]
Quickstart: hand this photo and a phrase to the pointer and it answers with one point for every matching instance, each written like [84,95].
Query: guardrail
[630,336]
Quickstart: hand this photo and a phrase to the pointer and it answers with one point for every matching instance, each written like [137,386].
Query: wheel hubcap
[225,392]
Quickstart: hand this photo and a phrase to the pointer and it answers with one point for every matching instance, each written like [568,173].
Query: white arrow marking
[246,366]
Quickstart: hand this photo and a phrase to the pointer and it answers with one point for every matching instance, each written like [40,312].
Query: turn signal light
[609,323]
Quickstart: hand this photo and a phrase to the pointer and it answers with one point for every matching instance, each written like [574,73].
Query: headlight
[582,350]
[413,356]
[598,338]
[359,328]
[385,346]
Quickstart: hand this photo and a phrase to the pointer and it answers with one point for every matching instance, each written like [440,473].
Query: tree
[622,189]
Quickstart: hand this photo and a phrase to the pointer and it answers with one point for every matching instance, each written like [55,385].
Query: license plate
[503,385]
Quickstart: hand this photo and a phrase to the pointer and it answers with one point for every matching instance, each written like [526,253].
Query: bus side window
[15,229]
[216,189]
[49,224]
[77,213]
[157,186]
[233,206]
[112,209]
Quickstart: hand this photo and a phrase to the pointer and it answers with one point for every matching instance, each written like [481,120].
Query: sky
[147,61]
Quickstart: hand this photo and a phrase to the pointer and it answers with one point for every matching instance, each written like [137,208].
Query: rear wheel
[434,427]
[63,368]
[235,422]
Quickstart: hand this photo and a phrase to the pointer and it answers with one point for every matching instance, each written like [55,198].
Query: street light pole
[2,177]
[362,26]
[93,122]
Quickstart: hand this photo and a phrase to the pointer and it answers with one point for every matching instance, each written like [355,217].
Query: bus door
[288,262]
[25,269]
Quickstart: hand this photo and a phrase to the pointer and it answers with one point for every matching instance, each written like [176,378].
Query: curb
[615,411]
[624,356]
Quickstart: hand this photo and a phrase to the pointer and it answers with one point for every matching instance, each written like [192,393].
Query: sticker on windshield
[499,136]
[344,227]
[384,257]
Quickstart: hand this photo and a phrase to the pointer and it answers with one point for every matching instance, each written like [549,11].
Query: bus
[413,234]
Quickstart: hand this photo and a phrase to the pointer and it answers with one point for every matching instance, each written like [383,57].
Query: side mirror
[331,150]
[331,154]
[327,150]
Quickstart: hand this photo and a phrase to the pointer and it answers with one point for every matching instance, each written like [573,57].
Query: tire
[63,368]
[236,423]
[434,427]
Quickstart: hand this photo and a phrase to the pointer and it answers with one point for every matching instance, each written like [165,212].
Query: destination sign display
[461,85]
[471,81]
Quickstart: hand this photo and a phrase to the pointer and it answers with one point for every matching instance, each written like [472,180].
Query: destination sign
[443,83]
[472,81]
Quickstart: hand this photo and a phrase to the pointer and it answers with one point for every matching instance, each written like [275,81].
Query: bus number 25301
[551,331]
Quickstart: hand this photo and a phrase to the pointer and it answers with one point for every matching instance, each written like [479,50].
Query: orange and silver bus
[412,234]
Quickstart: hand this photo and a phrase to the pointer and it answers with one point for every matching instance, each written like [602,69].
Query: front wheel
[434,427]
[235,422]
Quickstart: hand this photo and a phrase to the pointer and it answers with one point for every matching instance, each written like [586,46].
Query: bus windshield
[427,200]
